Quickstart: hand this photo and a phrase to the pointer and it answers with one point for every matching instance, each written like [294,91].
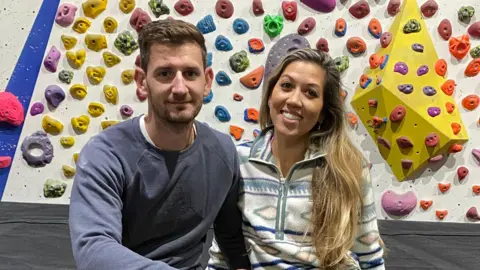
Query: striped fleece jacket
[276,213]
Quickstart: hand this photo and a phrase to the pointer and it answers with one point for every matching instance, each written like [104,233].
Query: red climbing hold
[322,45]
[360,9]
[393,7]
[139,19]
[429,8]
[473,68]
[445,29]
[11,110]
[237,97]
[426,204]
[441,214]
[257,7]
[398,113]
[184,7]
[431,140]
[470,102]
[474,30]
[472,213]
[224,8]
[444,187]
[306,26]
[476,189]
[455,148]
[462,172]
[5,161]
[289,10]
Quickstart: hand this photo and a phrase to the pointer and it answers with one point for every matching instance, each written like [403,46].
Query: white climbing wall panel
[25,184]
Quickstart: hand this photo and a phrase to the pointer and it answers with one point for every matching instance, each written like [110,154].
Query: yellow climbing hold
[75,157]
[68,42]
[68,171]
[110,24]
[96,42]
[95,109]
[76,59]
[80,123]
[111,94]
[51,126]
[96,74]
[108,123]
[110,59]
[92,8]
[78,91]
[81,25]
[67,141]
[127,76]
[126,6]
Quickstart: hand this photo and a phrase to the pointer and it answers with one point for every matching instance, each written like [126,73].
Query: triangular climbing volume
[405,100]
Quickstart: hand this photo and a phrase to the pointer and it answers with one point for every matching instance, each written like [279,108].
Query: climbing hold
[65,14]
[306,26]
[206,25]
[470,102]
[126,43]
[239,61]
[474,30]
[81,25]
[209,59]
[93,8]
[343,94]
[284,45]
[54,188]
[250,115]
[223,44]
[54,95]
[465,13]
[444,187]
[472,214]
[5,161]
[236,132]
[342,63]
[126,6]
[340,27]
[372,103]
[273,25]
[412,26]
[322,45]
[65,76]
[352,119]
[51,59]
[78,91]
[376,121]
[184,7]
[429,8]
[51,125]
[110,59]
[126,111]
[448,87]
[475,52]
[80,124]
[459,46]
[108,123]
[406,164]
[67,141]
[237,97]
[445,29]
[96,42]
[255,45]
[422,70]
[375,28]
[158,8]
[222,78]
[110,24]
[393,7]
[417,47]
[95,109]
[384,142]
[38,140]
[398,204]
[222,113]
[11,110]
[76,59]
[111,94]
[68,41]
[476,154]
[95,74]
[375,60]
[75,157]
[139,19]
[289,9]
[68,171]
[455,148]
[364,80]
[208,98]
[433,111]
[405,88]
[401,67]
[425,204]
[37,108]
[462,172]
[257,7]
[432,139]
[404,142]
[384,62]
[240,26]
[224,8]
[441,214]
[256,132]
[436,158]
[127,76]
[473,68]
[441,67]
[324,6]
[378,80]
[356,45]
[398,113]
[360,9]
[385,39]
[429,90]
[456,128]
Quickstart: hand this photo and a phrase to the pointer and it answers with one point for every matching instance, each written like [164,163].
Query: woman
[306,195]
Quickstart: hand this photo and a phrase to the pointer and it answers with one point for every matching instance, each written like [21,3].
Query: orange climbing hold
[253,79]
[456,128]
[343,94]
[470,102]
[256,45]
[476,189]
[377,121]
[459,46]
[441,214]
[352,119]
[252,114]
[444,187]
[237,97]
[441,67]
[450,107]
[375,60]
[375,28]
[236,132]
[448,87]
[473,68]
[426,204]
[455,148]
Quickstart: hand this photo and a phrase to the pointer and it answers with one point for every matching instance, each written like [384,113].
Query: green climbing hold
[239,61]
[475,52]
[126,43]
[54,188]
[273,25]
[65,76]
[412,26]
[465,13]
[158,8]
[342,63]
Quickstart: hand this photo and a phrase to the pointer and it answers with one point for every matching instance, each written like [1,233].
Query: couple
[299,196]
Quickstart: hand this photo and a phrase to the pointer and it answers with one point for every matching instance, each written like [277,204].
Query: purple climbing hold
[126,111]
[434,111]
[38,139]
[54,95]
[429,91]
[405,88]
[417,47]
[401,67]
[476,154]
[65,14]
[422,70]
[398,204]
[320,5]
[283,46]
[436,158]
[51,60]
[37,108]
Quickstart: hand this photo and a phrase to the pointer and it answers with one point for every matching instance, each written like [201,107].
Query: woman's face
[296,101]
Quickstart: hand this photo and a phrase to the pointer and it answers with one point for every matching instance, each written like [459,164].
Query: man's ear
[208,80]
[140,77]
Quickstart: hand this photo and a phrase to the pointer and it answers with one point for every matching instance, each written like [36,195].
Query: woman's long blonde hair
[336,183]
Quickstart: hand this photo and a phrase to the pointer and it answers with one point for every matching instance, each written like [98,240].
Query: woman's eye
[312,93]
[286,85]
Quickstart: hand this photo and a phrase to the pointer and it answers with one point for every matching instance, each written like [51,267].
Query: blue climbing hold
[208,98]
[223,44]
[240,26]
[222,113]
[256,132]
[222,78]
[209,59]
[385,60]
[206,25]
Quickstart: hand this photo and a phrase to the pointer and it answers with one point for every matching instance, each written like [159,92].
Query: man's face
[175,82]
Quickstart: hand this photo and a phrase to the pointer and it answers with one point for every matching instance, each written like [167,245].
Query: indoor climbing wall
[409,70]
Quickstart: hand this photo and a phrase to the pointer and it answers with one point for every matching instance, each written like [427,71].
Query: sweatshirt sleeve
[95,218]
[367,246]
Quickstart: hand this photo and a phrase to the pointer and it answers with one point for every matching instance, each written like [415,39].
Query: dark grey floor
[35,236]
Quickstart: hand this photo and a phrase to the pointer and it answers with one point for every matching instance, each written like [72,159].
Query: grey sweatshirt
[129,211]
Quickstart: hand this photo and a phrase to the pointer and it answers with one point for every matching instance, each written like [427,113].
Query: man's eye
[191,74]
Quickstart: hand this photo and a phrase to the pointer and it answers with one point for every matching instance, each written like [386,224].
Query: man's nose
[178,84]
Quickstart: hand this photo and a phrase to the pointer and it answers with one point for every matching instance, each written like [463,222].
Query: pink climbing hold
[385,39]
[51,60]
[5,161]
[184,7]
[398,204]
[462,172]
[139,19]
[11,110]
[224,8]
[393,7]
[472,213]
[257,8]
[306,26]
[474,30]
[65,14]
[360,9]
[320,5]
[476,154]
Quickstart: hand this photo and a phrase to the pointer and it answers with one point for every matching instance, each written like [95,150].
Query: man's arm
[95,218]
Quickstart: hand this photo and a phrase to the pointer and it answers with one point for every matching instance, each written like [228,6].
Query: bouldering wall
[409,70]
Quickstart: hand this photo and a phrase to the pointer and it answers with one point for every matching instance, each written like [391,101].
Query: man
[148,189]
